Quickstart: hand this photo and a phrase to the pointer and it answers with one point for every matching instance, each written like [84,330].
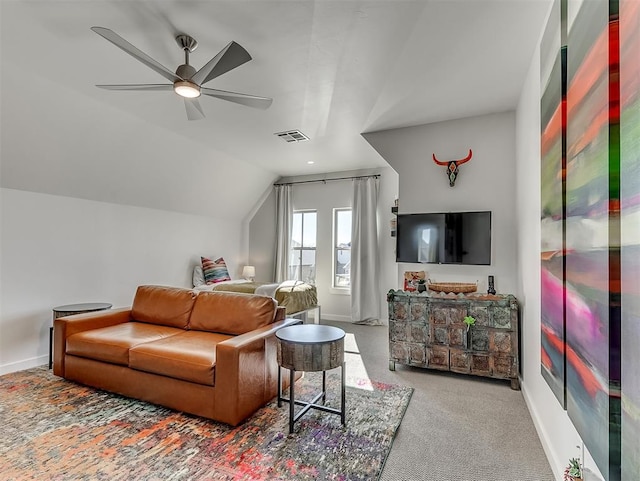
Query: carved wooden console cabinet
[427,330]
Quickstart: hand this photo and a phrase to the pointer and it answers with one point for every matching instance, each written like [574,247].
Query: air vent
[292,136]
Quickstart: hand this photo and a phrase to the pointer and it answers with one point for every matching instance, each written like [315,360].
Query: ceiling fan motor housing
[185,71]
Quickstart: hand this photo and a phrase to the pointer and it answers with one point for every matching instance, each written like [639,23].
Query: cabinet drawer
[504,367]
[408,353]
[438,357]
[501,342]
[459,361]
[445,314]
[480,364]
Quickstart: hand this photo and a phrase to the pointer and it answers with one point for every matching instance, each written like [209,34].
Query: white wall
[486,182]
[60,250]
[558,436]
[262,239]
[386,244]
[324,197]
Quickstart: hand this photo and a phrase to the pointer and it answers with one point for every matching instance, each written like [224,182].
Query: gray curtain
[365,292]
[284,218]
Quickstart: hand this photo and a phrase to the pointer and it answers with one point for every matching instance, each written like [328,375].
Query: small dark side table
[69,310]
[311,348]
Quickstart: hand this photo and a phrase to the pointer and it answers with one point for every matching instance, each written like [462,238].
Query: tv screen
[444,238]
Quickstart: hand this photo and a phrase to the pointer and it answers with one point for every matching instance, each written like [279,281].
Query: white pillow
[198,276]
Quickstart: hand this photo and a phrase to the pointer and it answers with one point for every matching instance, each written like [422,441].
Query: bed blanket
[295,296]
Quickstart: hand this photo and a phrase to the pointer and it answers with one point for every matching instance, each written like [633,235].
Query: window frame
[336,248]
[302,247]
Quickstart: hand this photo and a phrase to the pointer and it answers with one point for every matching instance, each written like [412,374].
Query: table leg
[324,386]
[343,405]
[50,347]
[279,386]
[292,403]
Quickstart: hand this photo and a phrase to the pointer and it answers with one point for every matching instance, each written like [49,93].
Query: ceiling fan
[186,81]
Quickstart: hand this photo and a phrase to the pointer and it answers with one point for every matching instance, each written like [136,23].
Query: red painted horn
[458,162]
[438,161]
[466,159]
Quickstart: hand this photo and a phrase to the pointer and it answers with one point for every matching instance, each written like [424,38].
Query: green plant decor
[469,321]
[573,470]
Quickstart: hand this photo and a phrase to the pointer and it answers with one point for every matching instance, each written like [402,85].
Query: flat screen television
[444,238]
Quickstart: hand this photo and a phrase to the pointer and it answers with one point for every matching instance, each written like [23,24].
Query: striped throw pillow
[214,271]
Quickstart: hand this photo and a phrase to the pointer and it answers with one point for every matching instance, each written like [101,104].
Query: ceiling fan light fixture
[186,89]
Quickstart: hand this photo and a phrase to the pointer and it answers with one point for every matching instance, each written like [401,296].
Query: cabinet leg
[515,384]
[392,365]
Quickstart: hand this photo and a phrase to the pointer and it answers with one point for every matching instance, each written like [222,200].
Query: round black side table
[69,310]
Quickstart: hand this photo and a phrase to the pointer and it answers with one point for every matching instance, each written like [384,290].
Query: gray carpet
[457,427]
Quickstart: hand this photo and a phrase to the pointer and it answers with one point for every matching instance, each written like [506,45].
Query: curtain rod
[328,180]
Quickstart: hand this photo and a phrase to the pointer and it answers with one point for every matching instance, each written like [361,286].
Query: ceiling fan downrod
[188,45]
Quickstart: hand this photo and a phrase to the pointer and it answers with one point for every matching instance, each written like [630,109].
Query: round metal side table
[310,348]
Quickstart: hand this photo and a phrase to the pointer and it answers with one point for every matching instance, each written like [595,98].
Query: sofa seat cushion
[190,356]
[112,344]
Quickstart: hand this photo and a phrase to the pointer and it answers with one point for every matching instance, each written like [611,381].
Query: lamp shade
[248,272]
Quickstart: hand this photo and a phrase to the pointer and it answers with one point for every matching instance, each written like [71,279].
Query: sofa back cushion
[166,306]
[231,312]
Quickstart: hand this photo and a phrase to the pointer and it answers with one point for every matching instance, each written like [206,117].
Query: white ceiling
[335,69]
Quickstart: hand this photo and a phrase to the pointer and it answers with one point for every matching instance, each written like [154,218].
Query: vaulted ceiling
[335,69]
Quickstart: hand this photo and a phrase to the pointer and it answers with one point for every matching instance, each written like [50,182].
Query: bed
[297,297]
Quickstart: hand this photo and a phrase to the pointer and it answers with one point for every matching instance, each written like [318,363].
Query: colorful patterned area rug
[58,430]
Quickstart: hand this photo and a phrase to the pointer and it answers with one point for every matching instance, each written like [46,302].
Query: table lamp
[249,272]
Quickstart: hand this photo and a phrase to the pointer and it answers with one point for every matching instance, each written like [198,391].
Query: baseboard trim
[336,317]
[542,434]
[25,364]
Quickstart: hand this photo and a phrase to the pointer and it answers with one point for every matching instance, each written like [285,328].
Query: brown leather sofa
[212,354]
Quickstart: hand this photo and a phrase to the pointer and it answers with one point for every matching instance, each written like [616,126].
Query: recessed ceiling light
[310,162]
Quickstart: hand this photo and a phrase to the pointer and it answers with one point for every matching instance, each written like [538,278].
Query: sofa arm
[246,372]
[63,327]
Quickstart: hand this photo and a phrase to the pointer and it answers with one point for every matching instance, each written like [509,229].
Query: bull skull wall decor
[452,167]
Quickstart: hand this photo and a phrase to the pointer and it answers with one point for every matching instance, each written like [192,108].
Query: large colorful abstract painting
[595,274]
[592,249]
[552,146]
[630,233]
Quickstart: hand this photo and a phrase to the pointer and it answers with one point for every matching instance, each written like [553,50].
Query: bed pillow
[214,271]
[198,276]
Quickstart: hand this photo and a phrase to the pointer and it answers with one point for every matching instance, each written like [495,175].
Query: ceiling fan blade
[194,110]
[156,87]
[243,99]
[230,57]
[136,53]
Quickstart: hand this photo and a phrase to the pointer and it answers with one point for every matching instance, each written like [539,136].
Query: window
[302,263]
[341,248]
